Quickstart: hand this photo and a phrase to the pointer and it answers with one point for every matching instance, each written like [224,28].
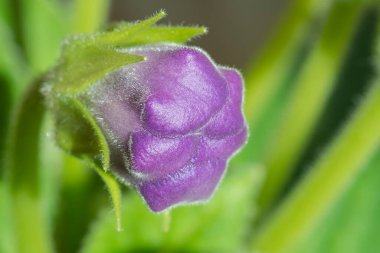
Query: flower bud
[171,122]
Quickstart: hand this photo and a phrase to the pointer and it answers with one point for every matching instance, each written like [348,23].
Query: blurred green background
[307,181]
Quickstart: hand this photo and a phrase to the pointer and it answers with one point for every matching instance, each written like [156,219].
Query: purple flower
[171,121]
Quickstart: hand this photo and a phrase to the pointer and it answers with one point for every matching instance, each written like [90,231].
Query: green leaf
[82,64]
[218,226]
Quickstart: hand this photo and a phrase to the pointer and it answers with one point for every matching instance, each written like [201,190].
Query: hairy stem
[29,226]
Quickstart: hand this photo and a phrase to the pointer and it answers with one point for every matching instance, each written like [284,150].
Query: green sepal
[121,34]
[127,34]
[77,132]
[84,63]
[159,34]
[87,58]
[114,190]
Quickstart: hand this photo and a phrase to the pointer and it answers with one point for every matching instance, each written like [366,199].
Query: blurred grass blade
[5,11]
[5,241]
[352,224]
[327,181]
[269,71]
[270,78]
[89,15]
[43,28]
[13,78]
[120,35]
[13,68]
[311,92]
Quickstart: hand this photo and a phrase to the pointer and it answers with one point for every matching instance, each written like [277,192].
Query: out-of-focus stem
[310,94]
[89,15]
[328,178]
[29,226]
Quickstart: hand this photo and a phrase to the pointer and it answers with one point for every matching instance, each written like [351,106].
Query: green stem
[89,15]
[328,178]
[30,228]
[311,91]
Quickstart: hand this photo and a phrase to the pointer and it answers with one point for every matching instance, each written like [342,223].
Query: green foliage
[328,205]
[311,90]
[328,179]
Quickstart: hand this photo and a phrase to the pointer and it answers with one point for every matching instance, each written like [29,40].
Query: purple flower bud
[172,122]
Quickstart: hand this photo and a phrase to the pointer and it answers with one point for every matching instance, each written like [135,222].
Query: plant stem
[30,230]
[311,91]
[327,180]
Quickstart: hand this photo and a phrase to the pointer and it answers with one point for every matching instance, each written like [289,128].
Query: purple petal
[221,148]
[186,89]
[154,156]
[120,120]
[193,183]
[230,119]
